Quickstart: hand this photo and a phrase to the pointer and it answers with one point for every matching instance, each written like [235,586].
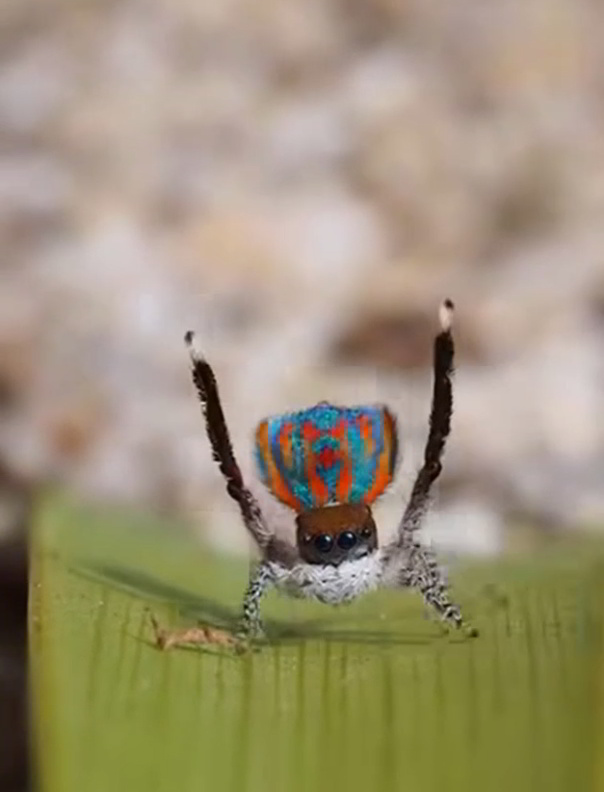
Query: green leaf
[370,696]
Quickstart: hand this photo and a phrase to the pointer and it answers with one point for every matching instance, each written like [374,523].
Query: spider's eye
[307,538]
[323,543]
[366,532]
[347,539]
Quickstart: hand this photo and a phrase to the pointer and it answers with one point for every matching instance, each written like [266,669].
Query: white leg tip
[445,314]
[192,346]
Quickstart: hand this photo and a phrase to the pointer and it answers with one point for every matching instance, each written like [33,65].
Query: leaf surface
[370,696]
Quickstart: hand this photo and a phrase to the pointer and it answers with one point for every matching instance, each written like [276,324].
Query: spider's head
[332,534]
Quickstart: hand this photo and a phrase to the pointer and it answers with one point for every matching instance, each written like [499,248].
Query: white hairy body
[332,585]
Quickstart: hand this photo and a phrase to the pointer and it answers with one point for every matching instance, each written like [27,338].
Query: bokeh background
[302,182]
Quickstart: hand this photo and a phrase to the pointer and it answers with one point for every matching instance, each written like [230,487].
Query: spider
[329,464]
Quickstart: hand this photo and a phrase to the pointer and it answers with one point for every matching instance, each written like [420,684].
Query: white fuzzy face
[330,584]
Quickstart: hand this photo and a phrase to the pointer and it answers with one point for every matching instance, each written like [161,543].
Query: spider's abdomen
[327,454]
[333,585]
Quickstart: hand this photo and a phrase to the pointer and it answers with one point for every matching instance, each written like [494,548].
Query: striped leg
[423,572]
[251,623]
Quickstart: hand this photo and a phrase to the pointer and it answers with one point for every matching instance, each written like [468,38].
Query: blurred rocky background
[302,182]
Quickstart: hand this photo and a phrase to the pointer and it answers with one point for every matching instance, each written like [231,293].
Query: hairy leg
[423,572]
[417,566]
[251,623]
[222,449]
[440,426]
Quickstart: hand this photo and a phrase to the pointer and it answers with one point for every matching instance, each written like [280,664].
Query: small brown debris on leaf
[165,639]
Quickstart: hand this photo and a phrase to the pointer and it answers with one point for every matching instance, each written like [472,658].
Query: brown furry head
[332,534]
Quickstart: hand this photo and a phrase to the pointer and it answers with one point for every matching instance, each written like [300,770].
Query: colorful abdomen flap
[327,454]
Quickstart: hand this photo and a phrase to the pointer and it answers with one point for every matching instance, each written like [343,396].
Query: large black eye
[347,539]
[323,543]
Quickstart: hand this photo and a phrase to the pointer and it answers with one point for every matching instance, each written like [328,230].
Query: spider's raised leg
[440,426]
[222,449]
[419,568]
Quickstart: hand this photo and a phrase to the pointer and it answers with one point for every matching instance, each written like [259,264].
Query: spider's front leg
[423,572]
[251,623]
[419,568]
